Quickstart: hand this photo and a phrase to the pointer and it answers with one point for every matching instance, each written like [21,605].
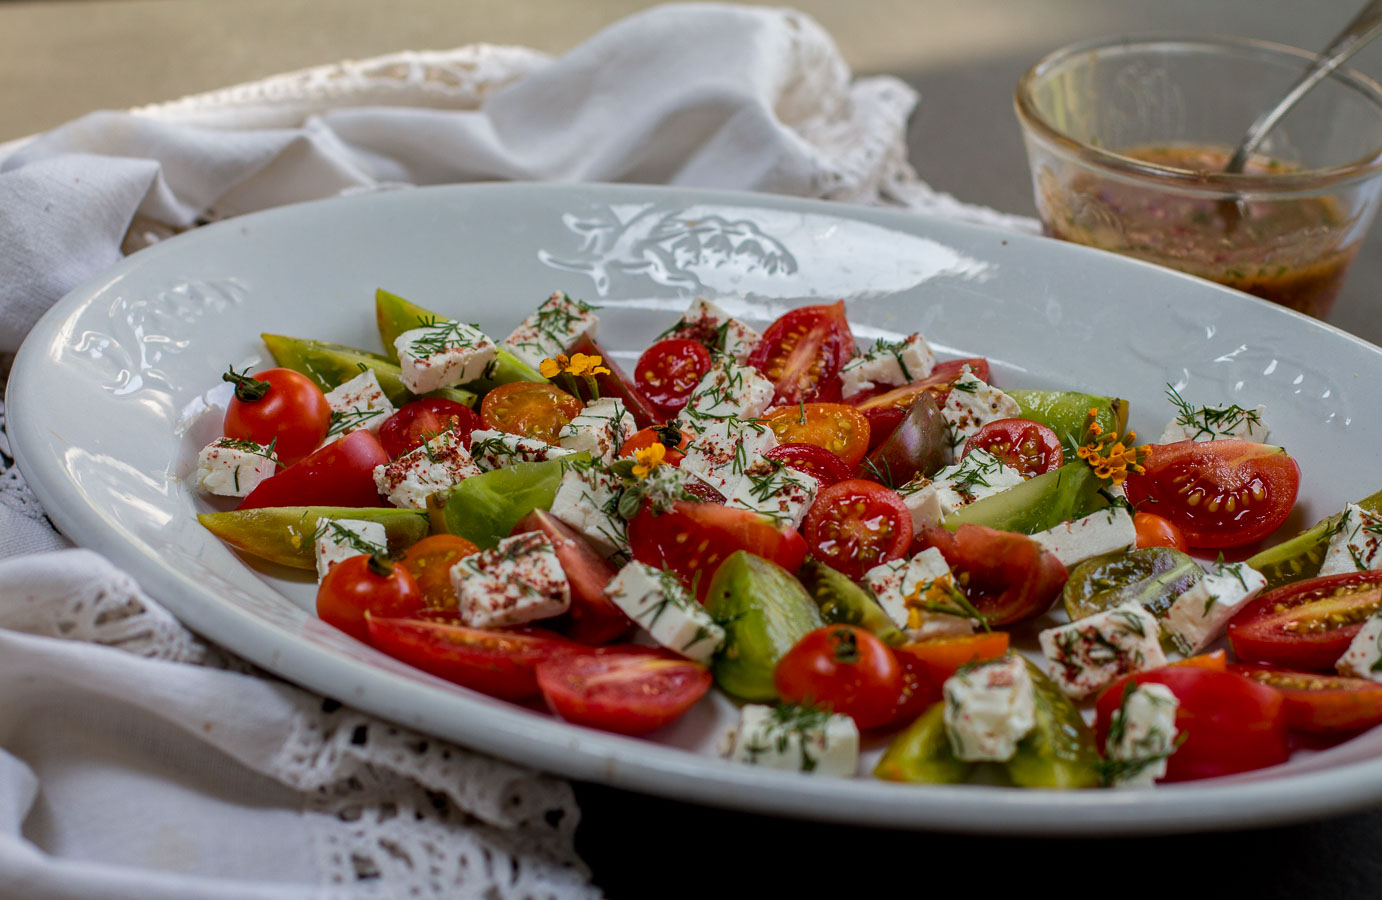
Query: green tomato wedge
[1060,751]
[1151,576]
[1065,411]
[484,508]
[921,754]
[1038,503]
[842,602]
[332,365]
[764,612]
[1301,556]
[396,315]
[284,534]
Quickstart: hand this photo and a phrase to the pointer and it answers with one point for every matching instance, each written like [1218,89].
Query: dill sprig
[344,420]
[254,448]
[1211,421]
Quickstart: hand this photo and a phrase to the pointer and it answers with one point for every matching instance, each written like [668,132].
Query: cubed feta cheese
[1212,423]
[972,404]
[775,490]
[1356,542]
[794,738]
[905,587]
[989,707]
[600,429]
[435,466]
[556,325]
[888,363]
[923,502]
[498,449]
[656,600]
[1106,531]
[340,539]
[1198,616]
[1142,734]
[1363,658]
[356,404]
[518,581]
[727,390]
[722,453]
[588,501]
[231,467]
[977,475]
[443,354]
[1090,653]
[710,325]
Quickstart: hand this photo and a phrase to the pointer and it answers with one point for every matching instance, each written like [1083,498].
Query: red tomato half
[846,669]
[1030,447]
[1218,493]
[617,384]
[818,462]
[632,690]
[501,663]
[669,370]
[1008,577]
[418,422]
[278,406]
[1230,724]
[339,474]
[802,352]
[1305,625]
[1158,531]
[1321,704]
[593,618]
[855,525]
[694,538]
[362,584]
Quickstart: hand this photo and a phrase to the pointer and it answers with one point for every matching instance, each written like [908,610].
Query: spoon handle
[1364,27]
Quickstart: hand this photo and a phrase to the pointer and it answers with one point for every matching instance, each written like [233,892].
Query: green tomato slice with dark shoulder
[285,534]
[1039,503]
[332,365]
[842,602]
[1301,556]
[1060,751]
[1151,576]
[921,754]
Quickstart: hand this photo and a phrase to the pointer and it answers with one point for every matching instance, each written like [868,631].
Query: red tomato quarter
[1308,624]
[365,584]
[801,353]
[1158,531]
[1008,577]
[1030,447]
[1230,724]
[632,690]
[418,422]
[1321,704]
[855,525]
[841,429]
[818,462]
[844,668]
[1218,493]
[692,539]
[278,406]
[339,474]
[669,370]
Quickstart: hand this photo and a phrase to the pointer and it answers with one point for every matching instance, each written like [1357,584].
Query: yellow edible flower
[929,595]
[649,458]
[1110,458]
[551,368]
[583,364]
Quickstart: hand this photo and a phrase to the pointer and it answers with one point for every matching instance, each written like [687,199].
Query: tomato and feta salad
[855,544]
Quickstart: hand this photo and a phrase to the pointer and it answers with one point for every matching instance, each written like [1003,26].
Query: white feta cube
[977,475]
[989,707]
[888,363]
[1212,423]
[972,404]
[356,404]
[1106,531]
[904,587]
[600,429]
[588,501]
[1356,542]
[435,466]
[1363,658]
[1198,616]
[727,390]
[232,467]
[553,328]
[518,581]
[722,453]
[1089,654]
[1142,734]
[657,601]
[775,490]
[340,539]
[923,502]
[710,325]
[443,354]
[498,449]
[794,738]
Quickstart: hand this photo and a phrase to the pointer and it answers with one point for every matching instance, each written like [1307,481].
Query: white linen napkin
[137,761]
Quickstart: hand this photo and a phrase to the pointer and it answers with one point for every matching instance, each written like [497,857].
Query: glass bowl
[1127,139]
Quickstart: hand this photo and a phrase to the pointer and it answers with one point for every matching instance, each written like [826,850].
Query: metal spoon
[1364,27]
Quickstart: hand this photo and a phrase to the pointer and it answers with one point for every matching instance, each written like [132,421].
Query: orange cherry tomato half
[841,429]
[1217,660]
[278,406]
[1157,531]
[530,408]
[1029,447]
[855,525]
[942,657]
[845,668]
[675,441]
[429,561]
[365,584]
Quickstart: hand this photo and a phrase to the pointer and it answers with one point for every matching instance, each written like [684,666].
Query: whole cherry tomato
[845,668]
[366,583]
[280,407]
[1158,531]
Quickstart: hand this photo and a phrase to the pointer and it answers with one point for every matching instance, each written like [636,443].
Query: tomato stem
[380,565]
[248,389]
